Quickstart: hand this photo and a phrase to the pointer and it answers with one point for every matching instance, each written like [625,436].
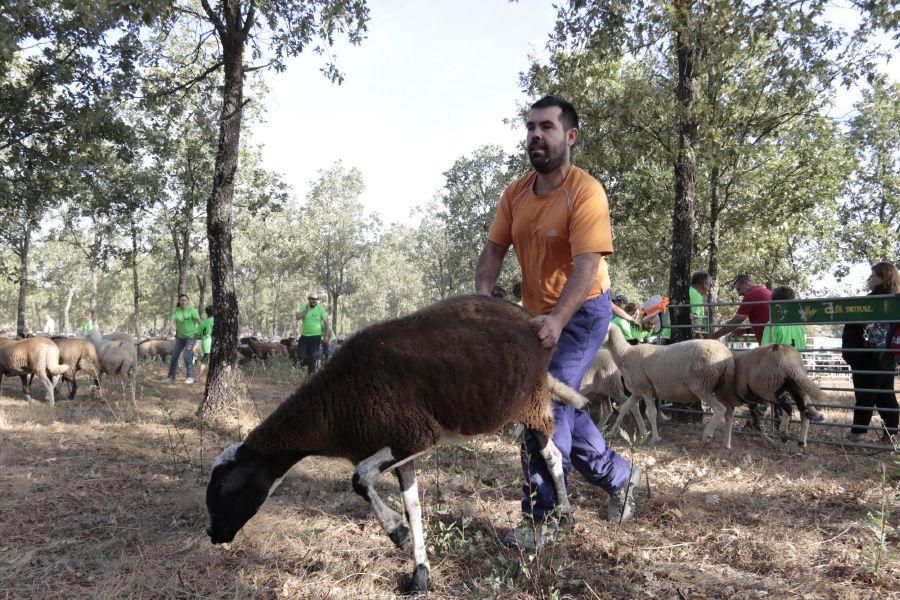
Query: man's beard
[552,159]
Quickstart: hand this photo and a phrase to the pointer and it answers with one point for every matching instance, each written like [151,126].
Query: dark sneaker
[622,505]
[529,536]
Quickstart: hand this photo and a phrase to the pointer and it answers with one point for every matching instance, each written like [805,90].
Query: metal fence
[824,363]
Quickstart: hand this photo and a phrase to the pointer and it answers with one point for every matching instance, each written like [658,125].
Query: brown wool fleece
[32,355]
[463,366]
[762,371]
[79,355]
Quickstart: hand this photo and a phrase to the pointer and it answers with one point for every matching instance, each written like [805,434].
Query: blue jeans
[576,436]
[187,345]
[309,348]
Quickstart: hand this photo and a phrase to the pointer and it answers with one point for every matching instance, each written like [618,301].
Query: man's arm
[576,289]
[731,326]
[488,268]
[620,312]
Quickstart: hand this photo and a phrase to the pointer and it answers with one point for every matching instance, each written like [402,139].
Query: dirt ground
[97,504]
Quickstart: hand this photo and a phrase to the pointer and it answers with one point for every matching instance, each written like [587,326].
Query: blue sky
[433,81]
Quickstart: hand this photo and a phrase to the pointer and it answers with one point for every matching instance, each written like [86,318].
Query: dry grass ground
[95,506]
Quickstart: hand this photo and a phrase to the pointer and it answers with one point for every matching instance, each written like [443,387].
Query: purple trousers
[576,436]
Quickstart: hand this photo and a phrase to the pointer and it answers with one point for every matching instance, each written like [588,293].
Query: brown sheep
[762,373]
[462,367]
[265,350]
[79,355]
[153,348]
[37,356]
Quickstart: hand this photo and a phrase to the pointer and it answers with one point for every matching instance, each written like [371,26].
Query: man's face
[312,301]
[742,287]
[548,141]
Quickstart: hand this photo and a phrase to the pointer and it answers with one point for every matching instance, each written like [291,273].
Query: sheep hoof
[399,535]
[418,583]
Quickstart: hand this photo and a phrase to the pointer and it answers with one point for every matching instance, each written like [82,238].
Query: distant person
[883,279]
[185,322]
[49,324]
[618,309]
[314,325]
[86,323]
[205,330]
[754,306]
[631,329]
[701,281]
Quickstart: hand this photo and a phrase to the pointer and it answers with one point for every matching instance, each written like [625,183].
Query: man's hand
[549,329]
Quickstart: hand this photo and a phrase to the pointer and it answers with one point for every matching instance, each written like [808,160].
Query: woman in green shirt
[205,330]
[186,321]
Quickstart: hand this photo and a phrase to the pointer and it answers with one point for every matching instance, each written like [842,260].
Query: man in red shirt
[758,314]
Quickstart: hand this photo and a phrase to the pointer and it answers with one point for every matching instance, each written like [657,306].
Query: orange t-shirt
[547,231]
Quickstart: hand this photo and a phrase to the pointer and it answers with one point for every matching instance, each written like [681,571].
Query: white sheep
[462,367]
[603,385]
[116,357]
[153,348]
[682,373]
[36,356]
[762,373]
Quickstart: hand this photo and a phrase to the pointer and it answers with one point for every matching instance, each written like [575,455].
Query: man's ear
[571,136]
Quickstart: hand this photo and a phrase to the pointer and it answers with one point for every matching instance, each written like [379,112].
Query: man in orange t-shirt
[557,220]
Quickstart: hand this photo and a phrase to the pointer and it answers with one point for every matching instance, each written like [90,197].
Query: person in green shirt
[86,325]
[701,281]
[314,324]
[205,330]
[185,321]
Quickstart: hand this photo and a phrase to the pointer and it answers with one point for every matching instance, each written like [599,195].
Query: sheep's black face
[238,486]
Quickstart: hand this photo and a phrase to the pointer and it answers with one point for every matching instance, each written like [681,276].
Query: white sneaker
[189,380]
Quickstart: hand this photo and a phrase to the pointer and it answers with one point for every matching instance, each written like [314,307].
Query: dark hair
[517,289]
[180,296]
[890,278]
[783,292]
[631,308]
[568,115]
[742,278]
[699,277]
[210,310]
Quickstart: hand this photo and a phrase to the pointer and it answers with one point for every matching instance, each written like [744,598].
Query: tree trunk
[220,380]
[714,211]
[23,279]
[67,324]
[185,264]
[685,167]
[201,290]
[93,294]
[334,315]
[135,283]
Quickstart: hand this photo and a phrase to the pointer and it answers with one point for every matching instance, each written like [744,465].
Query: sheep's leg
[719,412]
[626,407]
[406,473]
[729,425]
[49,385]
[553,458]
[638,419]
[650,403]
[364,476]
[606,411]
[25,390]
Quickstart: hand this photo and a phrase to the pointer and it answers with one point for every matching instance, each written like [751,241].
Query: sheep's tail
[51,360]
[564,393]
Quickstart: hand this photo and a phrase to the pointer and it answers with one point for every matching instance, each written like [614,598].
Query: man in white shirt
[49,324]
